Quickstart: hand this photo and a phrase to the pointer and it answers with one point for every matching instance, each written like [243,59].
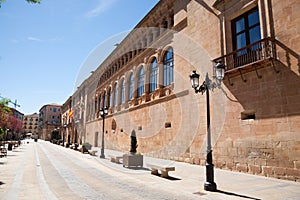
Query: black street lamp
[103,113]
[65,130]
[207,85]
[6,134]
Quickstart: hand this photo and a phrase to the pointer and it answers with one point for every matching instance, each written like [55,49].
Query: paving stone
[43,170]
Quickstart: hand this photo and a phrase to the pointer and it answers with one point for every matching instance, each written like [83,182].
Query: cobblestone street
[45,171]
[42,170]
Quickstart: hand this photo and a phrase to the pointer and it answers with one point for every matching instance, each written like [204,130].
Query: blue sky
[43,47]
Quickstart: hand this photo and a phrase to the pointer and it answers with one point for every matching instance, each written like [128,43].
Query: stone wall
[254,123]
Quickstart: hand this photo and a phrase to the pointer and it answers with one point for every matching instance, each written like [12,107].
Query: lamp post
[76,131]
[103,113]
[6,133]
[64,133]
[207,85]
[58,133]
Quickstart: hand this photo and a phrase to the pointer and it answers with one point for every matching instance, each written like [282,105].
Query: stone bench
[163,169]
[92,152]
[115,158]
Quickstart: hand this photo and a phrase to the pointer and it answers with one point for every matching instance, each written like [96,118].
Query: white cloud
[34,39]
[102,6]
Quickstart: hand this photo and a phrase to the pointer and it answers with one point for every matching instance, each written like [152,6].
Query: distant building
[67,121]
[49,121]
[30,124]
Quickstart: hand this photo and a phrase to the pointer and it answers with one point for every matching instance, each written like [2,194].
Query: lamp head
[106,110]
[219,70]
[101,111]
[194,77]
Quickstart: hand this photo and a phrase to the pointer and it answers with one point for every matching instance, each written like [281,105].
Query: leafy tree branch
[29,1]
[4,114]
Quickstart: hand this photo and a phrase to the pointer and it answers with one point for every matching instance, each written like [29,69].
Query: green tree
[34,1]
[4,113]
[29,1]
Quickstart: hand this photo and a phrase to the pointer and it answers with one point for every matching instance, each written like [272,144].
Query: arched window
[116,95]
[122,91]
[153,75]
[96,103]
[131,86]
[99,102]
[108,98]
[104,99]
[141,81]
[168,67]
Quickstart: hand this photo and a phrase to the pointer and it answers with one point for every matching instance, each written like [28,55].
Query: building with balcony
[50,122]
[30,125]
[255,113]
[67,123]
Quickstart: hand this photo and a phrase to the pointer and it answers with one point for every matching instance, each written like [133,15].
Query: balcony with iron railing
[250,57]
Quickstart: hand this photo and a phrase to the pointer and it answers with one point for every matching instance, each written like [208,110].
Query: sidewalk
[230,185]
[187,179]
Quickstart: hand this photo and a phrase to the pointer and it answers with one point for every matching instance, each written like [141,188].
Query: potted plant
[133,158]
[86,147]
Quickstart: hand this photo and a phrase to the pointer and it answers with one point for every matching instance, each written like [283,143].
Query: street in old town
[42,170]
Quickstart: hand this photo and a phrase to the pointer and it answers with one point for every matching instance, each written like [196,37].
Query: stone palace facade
[144,82]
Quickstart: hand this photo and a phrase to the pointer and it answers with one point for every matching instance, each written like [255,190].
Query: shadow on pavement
[200,193]
[17,150]
[237,195]
[171,178]
[9,155]
[138,168]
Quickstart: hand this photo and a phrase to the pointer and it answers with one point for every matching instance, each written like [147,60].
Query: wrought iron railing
[259,51]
